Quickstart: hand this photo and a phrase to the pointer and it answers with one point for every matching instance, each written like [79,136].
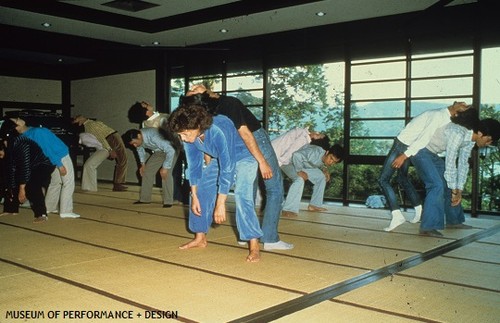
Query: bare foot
[254,255]
[289,214]
[313,208]
[199,241]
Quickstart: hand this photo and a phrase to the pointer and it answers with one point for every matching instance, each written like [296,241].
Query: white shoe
[69,215]
[280,245]
[242,243]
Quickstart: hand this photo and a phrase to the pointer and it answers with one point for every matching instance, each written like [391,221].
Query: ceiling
[172,24]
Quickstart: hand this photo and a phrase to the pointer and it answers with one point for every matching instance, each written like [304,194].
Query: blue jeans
[402,176]
[246,218]
[273,189]
[430,170]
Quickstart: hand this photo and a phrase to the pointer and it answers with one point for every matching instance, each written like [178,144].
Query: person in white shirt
[89,174]
[445,179]
[411,139]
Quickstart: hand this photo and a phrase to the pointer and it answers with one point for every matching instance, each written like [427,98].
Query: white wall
[108,99]
[20,89]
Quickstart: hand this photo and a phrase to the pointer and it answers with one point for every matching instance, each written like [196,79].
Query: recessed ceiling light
[223,30]
[320,14]
[46,24]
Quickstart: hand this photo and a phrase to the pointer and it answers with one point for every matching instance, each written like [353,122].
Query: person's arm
[254,149]
[454,141]
[169,151]
[169,158]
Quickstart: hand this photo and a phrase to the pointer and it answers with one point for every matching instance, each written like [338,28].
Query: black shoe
[140,202]
[167,205]
[119,188]
[431,233]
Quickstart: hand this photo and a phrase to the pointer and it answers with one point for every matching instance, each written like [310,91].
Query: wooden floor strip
[333,291]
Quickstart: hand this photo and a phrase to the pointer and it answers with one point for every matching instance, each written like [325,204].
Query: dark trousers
[39,181]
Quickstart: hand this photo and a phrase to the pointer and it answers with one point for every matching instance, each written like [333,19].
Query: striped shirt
[456,142]
[100,131]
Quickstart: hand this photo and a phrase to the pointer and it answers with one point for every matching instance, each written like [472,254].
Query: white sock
[418,214]
[397,220]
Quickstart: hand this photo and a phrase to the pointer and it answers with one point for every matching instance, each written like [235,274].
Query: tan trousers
[89,175]
[116,143]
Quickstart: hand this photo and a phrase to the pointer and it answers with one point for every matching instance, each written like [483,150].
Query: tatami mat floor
[120,262]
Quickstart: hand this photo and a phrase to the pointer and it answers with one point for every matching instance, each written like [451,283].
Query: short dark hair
[130,135]
[490,127]
[136,113]
[337,151]
[189,117]
[8,129]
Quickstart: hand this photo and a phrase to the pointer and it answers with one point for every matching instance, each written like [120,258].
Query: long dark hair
[468,119]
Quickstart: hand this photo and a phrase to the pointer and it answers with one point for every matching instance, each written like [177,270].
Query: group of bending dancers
[226,145]
[452,131]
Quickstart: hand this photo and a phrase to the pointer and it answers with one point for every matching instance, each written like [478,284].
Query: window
[489,157]
[378,89]
[309,96]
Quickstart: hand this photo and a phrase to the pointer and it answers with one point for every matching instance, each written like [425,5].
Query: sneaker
[69,215]
[40,219]
[141,202]
[280,245]
[242,243]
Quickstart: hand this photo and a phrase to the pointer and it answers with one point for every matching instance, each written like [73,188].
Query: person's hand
[265,170]
[141,169]
[62,170]
[303,175]
[220,213]
[456,197]
[327,174]
[195,205]
[399,161]
[196,89]
[112,154]
[22,194]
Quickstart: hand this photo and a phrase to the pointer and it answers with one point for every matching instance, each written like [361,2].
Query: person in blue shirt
[27,171]
[217,157]
[259,144]
[163,157]
[59,196]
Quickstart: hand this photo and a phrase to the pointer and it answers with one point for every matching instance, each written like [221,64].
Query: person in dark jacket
[28,170]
